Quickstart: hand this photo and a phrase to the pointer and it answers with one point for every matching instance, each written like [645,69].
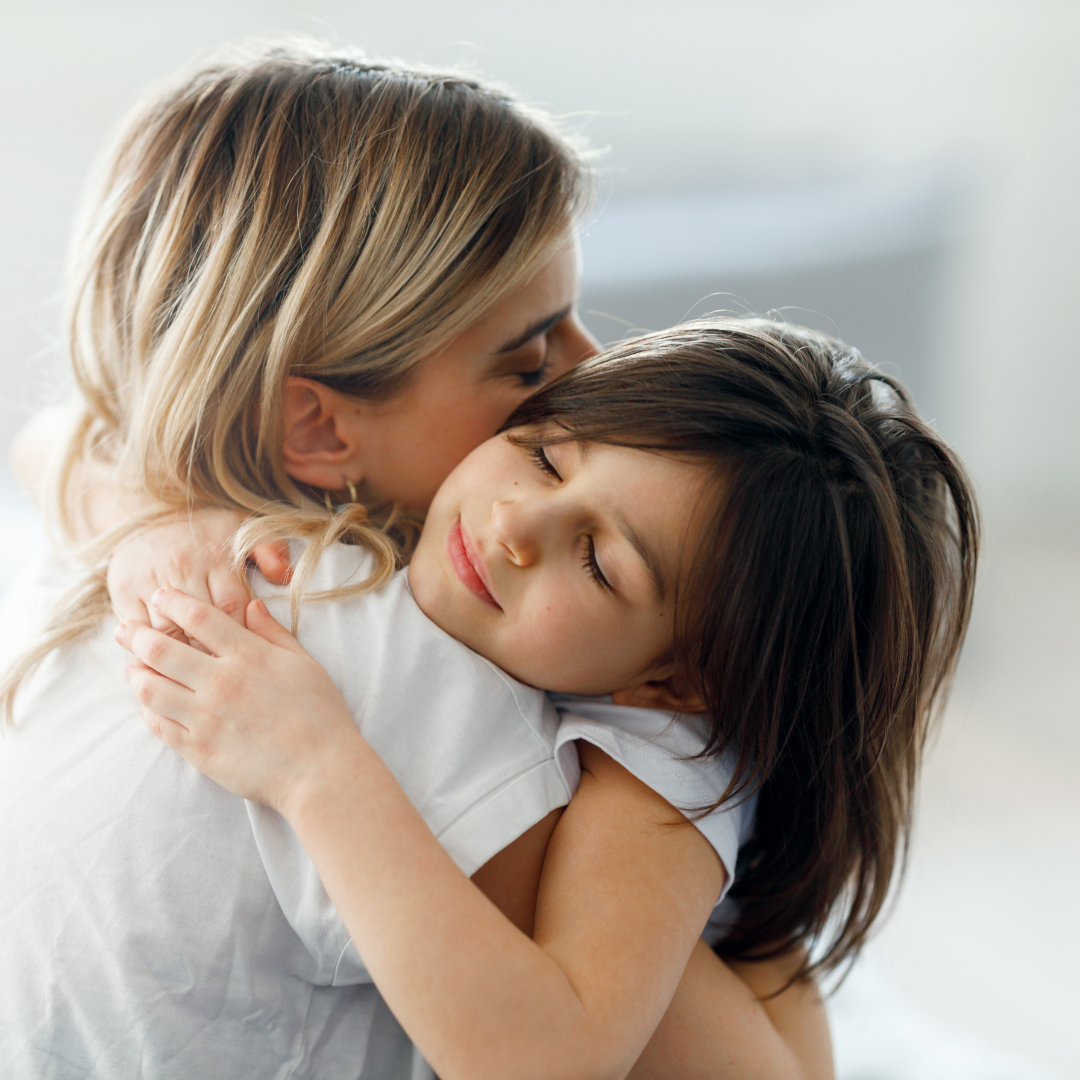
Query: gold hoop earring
[328,502]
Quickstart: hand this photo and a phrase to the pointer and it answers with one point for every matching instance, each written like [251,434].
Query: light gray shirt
[152,925]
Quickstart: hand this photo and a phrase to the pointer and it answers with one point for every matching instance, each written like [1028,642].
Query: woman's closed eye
[538,376]
[531,362]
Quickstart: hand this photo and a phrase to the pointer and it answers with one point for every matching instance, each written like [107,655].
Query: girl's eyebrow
[536,328]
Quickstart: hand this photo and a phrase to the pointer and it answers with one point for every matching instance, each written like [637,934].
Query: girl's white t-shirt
[152,924]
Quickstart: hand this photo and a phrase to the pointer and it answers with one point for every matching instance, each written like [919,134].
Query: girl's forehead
[652,497]
[635,473]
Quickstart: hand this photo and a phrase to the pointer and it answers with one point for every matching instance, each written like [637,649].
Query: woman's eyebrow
[536,328]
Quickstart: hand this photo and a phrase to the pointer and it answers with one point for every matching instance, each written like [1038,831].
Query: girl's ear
[662,694]
[322,437]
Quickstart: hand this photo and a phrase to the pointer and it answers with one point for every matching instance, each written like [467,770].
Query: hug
[571,726]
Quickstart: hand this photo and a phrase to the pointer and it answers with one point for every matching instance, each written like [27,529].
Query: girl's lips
[467,565]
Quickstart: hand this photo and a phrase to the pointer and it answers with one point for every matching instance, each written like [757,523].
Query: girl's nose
[516,526]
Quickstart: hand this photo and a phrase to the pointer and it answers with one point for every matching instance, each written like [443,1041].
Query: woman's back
[152,924]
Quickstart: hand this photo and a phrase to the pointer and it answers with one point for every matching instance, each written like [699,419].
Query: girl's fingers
[197,587]
[166,626]
[161,695]
[172,734]
[228,592]
[261,622]
[140,614]
[201,621]
[272,559]
[163,653]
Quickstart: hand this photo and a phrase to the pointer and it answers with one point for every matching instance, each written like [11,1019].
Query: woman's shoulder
[337,588]
[472,748]
[32,594]
[390,660]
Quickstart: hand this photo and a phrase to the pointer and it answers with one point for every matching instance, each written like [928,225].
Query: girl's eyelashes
[544,464]
[592,567]
[588,559]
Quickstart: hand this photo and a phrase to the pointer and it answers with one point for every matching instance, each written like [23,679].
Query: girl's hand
[254,712]
[192,555]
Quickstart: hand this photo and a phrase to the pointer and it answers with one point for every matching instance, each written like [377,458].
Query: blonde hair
[287,209]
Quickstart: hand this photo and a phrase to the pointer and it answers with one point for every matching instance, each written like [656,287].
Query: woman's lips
[466,564]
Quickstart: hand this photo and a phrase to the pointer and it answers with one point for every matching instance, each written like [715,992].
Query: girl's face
[463,394]
[560,565]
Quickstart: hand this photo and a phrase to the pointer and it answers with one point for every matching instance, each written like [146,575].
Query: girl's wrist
[339,768]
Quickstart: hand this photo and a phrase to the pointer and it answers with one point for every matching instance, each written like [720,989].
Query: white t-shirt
[662,752]
[151,924]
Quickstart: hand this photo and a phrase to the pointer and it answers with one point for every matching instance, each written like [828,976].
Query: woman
[294,230]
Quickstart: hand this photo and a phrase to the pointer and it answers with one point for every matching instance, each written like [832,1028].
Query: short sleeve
[661,750]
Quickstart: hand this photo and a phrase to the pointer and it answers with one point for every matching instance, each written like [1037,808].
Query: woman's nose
[573,345]
[584,344]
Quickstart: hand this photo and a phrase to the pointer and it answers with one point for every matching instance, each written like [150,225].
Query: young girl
[296,261]
[741,520]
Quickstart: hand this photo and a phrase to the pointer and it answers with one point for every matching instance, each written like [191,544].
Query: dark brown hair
[820,615]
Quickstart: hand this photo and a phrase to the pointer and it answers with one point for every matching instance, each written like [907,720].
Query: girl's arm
[626,887]
[623,900]
[725,1024]
[35,459]
[727,1021]
[716,1027]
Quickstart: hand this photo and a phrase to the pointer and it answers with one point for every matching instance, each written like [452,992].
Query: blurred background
[901,174]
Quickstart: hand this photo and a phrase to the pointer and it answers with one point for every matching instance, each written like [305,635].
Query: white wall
[689,95]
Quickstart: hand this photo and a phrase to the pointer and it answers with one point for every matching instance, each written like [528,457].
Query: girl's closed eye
[544,463]
[592,567]
[588,560]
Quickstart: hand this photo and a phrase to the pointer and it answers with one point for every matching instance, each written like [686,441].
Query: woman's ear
[322,436]
[661,694]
